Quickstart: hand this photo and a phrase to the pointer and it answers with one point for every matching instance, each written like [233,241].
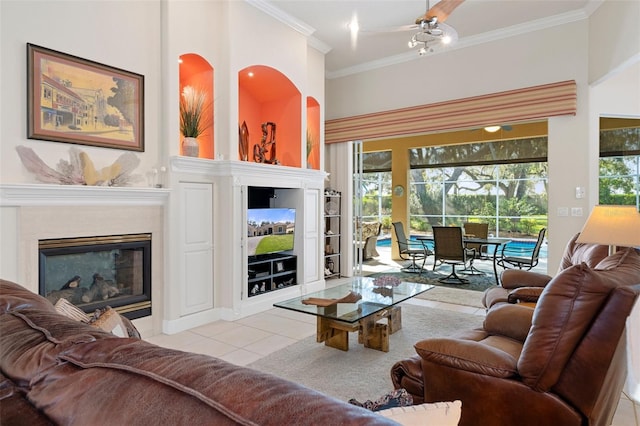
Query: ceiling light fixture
[432,33]
[492,129]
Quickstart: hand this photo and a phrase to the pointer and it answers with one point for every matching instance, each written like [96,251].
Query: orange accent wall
[269,96]
[251,113]
[313,130]
[196,72]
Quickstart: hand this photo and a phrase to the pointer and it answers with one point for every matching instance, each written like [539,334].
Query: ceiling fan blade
[442,10]
[381,30]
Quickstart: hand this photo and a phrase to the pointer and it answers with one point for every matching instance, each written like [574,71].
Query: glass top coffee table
[368,301]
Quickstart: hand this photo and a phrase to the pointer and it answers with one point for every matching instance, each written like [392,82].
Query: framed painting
[79,101]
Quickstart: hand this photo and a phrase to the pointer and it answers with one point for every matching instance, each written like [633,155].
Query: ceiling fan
[431,27]
[440,11]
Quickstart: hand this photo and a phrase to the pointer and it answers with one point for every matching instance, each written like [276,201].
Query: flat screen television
[270,230]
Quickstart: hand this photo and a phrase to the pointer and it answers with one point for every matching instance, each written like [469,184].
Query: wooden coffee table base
[371,333]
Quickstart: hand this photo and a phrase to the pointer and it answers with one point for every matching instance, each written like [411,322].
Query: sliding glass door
[357,208]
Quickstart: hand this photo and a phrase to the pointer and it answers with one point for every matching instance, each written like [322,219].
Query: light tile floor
[248,339]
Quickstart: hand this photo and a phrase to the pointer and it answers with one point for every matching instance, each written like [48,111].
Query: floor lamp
[619,226]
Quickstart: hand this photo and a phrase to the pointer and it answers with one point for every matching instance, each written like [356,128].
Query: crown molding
[592,6]
[465,42]
[282,16]
[319,45]
[294,23]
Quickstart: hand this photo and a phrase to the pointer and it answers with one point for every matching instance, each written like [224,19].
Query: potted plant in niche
[194,119]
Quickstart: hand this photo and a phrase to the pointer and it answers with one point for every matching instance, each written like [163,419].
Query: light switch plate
[576,211]
[563,211]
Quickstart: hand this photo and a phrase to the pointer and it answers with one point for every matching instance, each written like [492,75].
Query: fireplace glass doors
[95,272]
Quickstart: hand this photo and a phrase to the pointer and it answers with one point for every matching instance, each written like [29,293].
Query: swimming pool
[514,248]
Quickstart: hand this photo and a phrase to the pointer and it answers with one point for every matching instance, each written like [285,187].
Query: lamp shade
[612,225]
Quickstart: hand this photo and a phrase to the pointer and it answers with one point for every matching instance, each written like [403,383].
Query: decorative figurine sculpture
[244,142]
[260,151]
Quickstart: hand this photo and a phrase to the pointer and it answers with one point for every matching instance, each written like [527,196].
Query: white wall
[614,38]
[125,35]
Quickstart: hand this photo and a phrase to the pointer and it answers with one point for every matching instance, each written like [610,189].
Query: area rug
[360,373]
[454,296]
[476,282]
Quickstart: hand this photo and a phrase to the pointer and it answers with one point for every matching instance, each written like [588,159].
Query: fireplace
[95,272]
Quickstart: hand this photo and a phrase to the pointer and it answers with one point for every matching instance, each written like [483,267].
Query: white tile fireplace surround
[29,213]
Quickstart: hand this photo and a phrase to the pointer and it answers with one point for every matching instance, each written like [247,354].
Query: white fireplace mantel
[17,195]
[33,212]
[225,168]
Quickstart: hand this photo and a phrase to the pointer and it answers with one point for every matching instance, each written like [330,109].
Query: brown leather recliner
[562,363]
[526,286]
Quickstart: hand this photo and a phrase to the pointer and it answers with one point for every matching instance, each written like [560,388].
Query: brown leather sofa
[526,286]
[55,370]
[562,363]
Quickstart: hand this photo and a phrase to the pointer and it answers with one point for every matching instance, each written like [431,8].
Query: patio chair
[409,250]
[525,258]
[449,248]
[477,230]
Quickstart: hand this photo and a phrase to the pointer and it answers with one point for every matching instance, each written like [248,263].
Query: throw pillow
[437,413]
[69,310]
[110,321]
[106,319]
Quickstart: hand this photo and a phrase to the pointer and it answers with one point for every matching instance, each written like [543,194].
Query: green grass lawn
[273,243]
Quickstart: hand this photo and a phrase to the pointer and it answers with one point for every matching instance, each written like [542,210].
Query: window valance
[530,103]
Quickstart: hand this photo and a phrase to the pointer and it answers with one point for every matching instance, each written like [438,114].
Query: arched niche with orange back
[196,72]
[265,95]
[313,133]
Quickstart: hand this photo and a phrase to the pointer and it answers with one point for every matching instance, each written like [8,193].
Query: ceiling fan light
[492,129]
[432,34]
